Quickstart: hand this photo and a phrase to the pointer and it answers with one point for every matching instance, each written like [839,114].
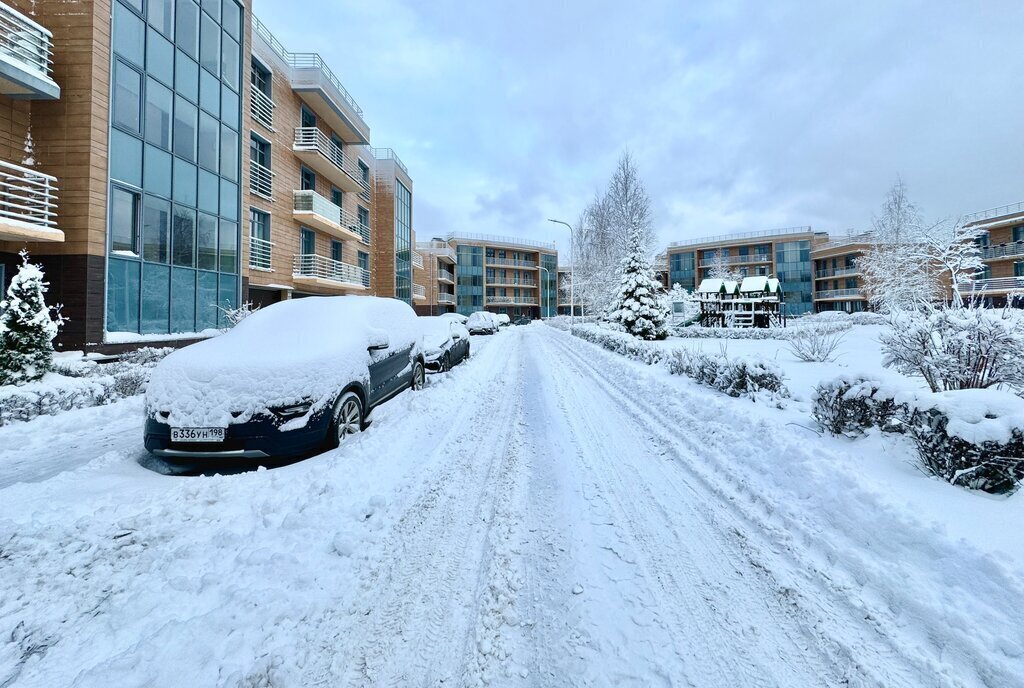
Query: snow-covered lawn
[548,513]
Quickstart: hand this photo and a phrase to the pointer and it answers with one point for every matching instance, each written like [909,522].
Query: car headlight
[292,410]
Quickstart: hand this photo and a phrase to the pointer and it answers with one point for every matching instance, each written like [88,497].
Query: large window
[124,220]
[403,241]
[260,78]
[307,179]
[127,98]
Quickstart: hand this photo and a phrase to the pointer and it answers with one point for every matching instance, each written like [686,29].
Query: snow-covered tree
[639,308]
[681,302]
[723,269]
[951,248]
[27,327]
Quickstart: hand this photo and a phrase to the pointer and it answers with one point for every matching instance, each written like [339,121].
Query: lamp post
[572,274]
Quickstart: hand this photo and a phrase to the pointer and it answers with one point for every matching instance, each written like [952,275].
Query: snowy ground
[547,514]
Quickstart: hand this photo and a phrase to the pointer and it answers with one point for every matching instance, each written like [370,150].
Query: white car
[457,317]
[504,320]
[482,322]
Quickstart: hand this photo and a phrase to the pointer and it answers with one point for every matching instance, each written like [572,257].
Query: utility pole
[572,274]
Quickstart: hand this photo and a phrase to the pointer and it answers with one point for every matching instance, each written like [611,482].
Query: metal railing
[736,260]
[308,201]
[510,262]
[864,238]
[806,229]
[27,196]
[445,297]
[526,300]
[26,42]
[837,294]
[261,107]
[389,154]
[417,260]
[1010,250]
[494,239]
[837,272]
[992,213]
[419,291]
[993,284]
[513,281]
[312,139]
[322,267]
[261,180]
[443,274]
[260,253]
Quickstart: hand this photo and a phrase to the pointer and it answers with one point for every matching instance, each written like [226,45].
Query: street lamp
[572,274]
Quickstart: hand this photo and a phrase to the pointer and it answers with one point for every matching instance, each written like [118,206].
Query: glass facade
[548,285]
[469,275]
[682,270]
[793,267]
[175,164]
[403,242]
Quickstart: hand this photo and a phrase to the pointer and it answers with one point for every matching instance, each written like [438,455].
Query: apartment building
[838,282]
[508,275]
[1002,250]
[783,253]
[395,261]
[437,279]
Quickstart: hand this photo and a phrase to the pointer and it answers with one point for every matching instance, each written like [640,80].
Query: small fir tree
[27,327]
[639,307]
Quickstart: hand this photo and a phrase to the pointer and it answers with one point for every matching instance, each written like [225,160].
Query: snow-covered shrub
[620,343]
[812,344]
[868,318]
[131,371]
[27,327]
[74,366]
[970,437]
[958,348]
[237,315]
[737,377]
[51,395]
[849,405]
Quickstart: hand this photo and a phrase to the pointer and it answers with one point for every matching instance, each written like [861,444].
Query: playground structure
[755,302]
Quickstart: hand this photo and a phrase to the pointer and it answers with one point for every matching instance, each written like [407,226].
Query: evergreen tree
[638,307]
[27,327]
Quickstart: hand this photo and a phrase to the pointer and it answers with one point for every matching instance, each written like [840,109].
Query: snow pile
[977,415]
[287,353]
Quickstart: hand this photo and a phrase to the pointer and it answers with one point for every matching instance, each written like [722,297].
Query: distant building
[838,282]
[1002,249]
[508,275]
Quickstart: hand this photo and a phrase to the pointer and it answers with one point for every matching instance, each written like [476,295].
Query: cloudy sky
[741,115]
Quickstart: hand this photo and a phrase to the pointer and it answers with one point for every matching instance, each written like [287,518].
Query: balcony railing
[837,272]
[513,281]
[419,291]
[524,300]
[444,297]
[260,253]
[261,107]
[261,180]
[312,139]
[993,213]
[993,284]
[26,43]
[736,260]
[321,267]
[494,239]
[838,294]
[848,240]
[389,154]
[744,235]
[1003,251]
[307,201]
[446,275]
[27,196]
[510,262]
[417,260]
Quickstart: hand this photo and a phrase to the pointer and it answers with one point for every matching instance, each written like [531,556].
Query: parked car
[523,321]
[445,343]
[287,380]
[482,322]
[504,320]
[457,317]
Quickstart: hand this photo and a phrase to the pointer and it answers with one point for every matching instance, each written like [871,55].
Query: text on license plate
[197,434]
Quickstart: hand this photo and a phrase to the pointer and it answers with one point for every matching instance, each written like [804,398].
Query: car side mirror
[456,336]
[377,340]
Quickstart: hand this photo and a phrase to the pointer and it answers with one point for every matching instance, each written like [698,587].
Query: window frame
[136,195]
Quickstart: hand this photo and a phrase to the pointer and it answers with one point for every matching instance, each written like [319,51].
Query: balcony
[737,260]
[446,276]
[317,270]
[417,261]
[511,282]
[325,157]
[440,249]
[260,254]
[419,292]
[262,108]
[831,294]
[514,300]
[261,181]
[318,86]
[510,262]
[1013,250]
[26,58]
[28,205]
[837,272]
[987,216]
[994,284]
[313,210]
[446,298]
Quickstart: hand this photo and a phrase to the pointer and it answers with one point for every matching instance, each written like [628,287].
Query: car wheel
[347,418]
[419,378]
[469,352]
[446,363]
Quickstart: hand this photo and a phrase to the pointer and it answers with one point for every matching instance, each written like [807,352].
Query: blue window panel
[206,301]
[229,107]
[228,243]
[125,158]
[229,154]
[229,200]
[122,295]
[129,35]
[183,300]
[209,192]
[229,59]
[186,76]
[231,18]
[228,296]
[158,171]
[161,16]
[186,27]
[185,182]
[183,237]
[307,242]
[159,104]
[159,57]
[207,242]
[127,107]
[1018,233]
[156,295]
[209,45]
[213,7]
[209,93]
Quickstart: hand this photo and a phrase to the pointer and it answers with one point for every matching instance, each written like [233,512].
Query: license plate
[197,434]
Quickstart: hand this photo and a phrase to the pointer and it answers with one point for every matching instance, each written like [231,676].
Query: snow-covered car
[445,343]
[523,321]
[482,322]
[503,319]
[457,317]
[286,381]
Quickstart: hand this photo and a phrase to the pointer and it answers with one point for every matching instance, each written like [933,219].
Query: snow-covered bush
[237,315]
[737,377]
[797,329]
[74,366]
[620,343]
[27,327]
[811,344]
[970,437]
[868,318]
[131,371]
[958,348]
[849,405]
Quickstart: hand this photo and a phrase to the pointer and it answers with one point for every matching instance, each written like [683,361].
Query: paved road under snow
[540,516]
